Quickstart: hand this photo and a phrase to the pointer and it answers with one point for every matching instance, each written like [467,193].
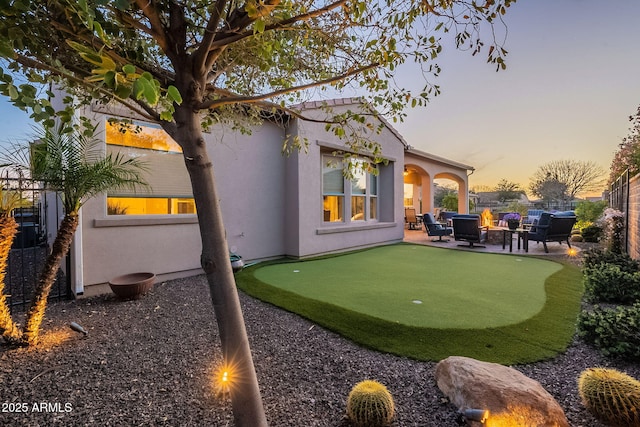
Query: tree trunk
[246,401]
[61,246]
[8,230]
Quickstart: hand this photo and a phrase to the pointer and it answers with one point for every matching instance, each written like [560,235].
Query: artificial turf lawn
[500,308]
[417,286]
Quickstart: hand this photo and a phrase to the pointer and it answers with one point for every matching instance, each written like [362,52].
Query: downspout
[466,205]
[77,270]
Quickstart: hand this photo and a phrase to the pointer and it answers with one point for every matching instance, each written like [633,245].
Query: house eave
[435,158]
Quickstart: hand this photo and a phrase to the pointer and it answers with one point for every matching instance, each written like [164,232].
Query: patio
[535,249]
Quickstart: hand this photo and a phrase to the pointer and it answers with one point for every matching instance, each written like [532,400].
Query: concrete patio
[535,249]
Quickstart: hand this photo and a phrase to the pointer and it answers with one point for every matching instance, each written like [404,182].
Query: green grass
[500,308]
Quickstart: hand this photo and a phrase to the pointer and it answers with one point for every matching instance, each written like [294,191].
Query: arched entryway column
[421,194]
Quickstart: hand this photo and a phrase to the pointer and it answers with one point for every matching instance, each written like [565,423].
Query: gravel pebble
[151,362]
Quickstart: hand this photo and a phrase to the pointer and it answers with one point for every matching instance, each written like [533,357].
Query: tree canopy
[628,155]
[565,179]
[227,57]
[508,190]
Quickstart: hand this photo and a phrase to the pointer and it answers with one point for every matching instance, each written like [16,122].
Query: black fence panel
[619,199]
[37,220]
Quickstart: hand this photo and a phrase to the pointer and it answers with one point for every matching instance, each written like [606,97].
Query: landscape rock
[511,397]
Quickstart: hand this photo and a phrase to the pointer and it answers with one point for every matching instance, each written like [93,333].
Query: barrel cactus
[611,396]
[370,405]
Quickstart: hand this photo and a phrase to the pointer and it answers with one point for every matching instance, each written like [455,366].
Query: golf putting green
[417,286]
[429,303]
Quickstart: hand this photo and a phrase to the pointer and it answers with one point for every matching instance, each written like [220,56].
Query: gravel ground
[150,362]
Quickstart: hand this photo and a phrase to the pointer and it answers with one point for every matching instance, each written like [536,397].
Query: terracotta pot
[132,286]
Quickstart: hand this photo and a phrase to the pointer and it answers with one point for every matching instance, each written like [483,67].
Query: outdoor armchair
[467,228]
[411,218]
[553,227]
[445,216]
[532,218]
[434,228]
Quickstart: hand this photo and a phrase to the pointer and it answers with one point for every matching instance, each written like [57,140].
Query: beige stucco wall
[250,175]
[312,236]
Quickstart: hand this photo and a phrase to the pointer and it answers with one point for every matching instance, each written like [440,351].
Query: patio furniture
[445,217]
[468,228]
[532,218]
[434,228]
[553,227]
[503,222]
[411,218]
[523,234]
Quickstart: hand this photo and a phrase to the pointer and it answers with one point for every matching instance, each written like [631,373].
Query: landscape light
[479,415]
[78,328]
[224,378]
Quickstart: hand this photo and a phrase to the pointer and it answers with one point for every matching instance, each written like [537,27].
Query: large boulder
[512,398]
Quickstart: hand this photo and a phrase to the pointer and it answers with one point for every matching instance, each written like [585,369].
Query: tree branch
[146,112]
[214,103]
[231,37]
[157,29]
[200,56]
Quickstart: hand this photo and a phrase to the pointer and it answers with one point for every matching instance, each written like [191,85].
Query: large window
[332,189]
[361,190]
[169,190]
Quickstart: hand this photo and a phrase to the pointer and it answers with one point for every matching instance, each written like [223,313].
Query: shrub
[610,283]
[370,405]
[614,229]
[588,211]
[595,257]
[614,331]
[592,233]
[611,396]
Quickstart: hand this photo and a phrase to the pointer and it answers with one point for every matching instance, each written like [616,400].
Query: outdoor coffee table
[522,234]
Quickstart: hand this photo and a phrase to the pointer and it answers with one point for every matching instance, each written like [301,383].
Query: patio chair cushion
[467,228]
[434,228]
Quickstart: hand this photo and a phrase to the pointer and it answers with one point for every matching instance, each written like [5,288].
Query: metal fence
[38,220]
[619,199]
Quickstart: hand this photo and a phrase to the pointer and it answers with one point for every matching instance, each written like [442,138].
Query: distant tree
[628,154]
[508,190]
[441,191]
[549,189]
[565,179]
[518,207]
[481,189]
[450,202]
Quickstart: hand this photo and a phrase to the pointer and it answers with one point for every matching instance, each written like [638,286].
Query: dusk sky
[573,78]
[572,81]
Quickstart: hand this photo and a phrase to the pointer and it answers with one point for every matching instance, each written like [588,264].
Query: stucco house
[273,205]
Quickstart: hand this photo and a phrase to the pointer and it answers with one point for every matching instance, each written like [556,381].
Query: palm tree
[74,165]
[9,200]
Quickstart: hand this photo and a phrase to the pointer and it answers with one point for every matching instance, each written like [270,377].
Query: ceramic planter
[132,286]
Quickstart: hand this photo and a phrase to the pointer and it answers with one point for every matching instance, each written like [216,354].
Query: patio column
[463,196]
[427,194]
